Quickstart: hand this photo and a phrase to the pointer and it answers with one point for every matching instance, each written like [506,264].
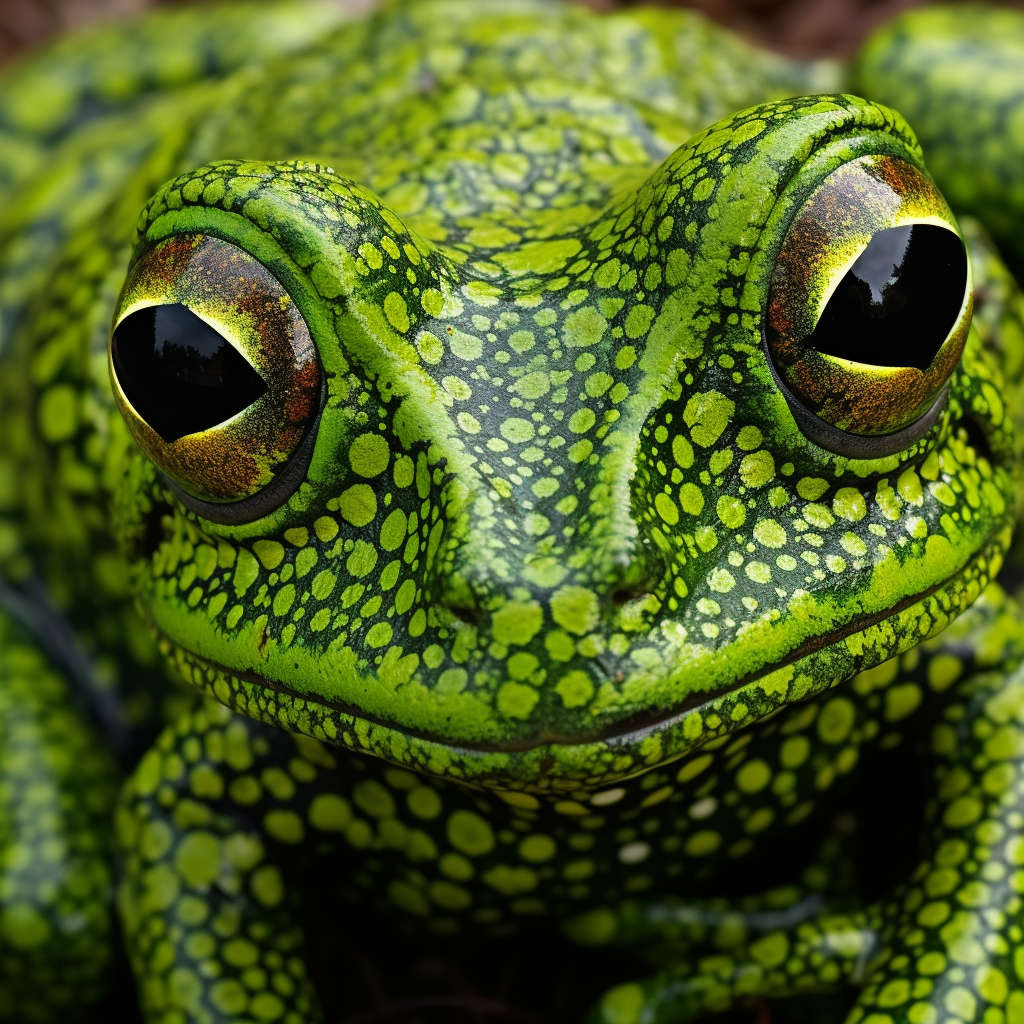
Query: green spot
[811,488]
[396,311]
[197,859]
[23,927]
[470,834]
[836,720]
[517,430]
[330,812]
[666,508]
[575,688]
[283,600]
[707,414]
[638,321]
[537,848]
[582,420]
[849,504]
[374,798]
[369,454]
[623,1004]
[362,559]
[284,826]
[58,413]
[517,700]
[575,609]
[691,499]
[731,512]
[269,552]
[517,622]
[358,505]
[753,776]
[379,635]
[584,327]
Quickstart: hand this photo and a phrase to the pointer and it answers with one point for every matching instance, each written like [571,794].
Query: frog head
[547,504]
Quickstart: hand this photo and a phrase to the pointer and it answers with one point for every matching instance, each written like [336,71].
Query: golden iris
[870,301]
[213,367]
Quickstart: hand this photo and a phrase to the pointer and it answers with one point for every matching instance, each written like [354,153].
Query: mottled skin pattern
[562,615]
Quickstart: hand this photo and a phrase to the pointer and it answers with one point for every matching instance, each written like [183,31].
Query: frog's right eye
[217,377]
[869,308]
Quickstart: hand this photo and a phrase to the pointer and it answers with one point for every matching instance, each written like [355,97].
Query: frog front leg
[58,786]
[956,950]
[210,829]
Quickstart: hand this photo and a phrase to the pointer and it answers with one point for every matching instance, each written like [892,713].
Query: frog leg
[210,826]
[956,950]
[722,953]
[58,787]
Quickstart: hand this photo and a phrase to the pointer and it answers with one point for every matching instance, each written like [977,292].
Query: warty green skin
[566,618]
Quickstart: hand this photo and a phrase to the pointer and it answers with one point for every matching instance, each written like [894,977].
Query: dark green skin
[567,618]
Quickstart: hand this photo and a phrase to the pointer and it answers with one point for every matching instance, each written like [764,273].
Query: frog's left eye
[216,376]
[869,308]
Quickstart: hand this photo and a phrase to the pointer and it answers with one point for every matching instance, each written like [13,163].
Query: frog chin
[629,745]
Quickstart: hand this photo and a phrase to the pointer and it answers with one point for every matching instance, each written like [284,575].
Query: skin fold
[556,576]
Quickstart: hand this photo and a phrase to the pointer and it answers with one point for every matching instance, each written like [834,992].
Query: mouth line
[621,731]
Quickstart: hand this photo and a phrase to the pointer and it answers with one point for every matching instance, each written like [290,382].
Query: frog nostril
[464,614]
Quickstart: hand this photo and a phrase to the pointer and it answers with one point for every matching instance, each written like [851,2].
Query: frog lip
[619,733]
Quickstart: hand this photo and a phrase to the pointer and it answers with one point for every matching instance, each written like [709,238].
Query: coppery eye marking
[869,307]
[179,374]
[217,376]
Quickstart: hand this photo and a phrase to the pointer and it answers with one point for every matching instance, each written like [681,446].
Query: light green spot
[470,834]
[517,700]
[584,327]
[575,609]
[575,688]
[369,454]
[269,552]
[397,312]
[707,414]
[666,508]
[517,622]
[197,859]
[358,505]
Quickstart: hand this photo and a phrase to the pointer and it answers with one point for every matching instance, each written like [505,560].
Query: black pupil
[179,374]
[898,302]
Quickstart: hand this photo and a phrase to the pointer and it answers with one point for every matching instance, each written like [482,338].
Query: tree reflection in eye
[899,301]
[180,375]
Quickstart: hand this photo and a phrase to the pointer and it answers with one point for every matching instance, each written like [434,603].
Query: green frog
[567,453]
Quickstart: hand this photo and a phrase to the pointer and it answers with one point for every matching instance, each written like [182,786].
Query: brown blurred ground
[804,27]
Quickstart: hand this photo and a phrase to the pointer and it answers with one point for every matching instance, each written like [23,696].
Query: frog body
[538,553]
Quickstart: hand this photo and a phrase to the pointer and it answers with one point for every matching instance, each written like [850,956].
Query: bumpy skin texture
[563,612]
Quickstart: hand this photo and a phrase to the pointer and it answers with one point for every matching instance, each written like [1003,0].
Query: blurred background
[827,28]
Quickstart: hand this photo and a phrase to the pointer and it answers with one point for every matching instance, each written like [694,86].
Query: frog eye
[869,308]
[217,377]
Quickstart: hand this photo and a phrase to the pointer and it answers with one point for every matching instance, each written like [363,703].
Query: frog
[519,469]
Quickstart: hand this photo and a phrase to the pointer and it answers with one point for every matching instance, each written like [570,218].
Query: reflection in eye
[899,301]
[869,308]
[180,374]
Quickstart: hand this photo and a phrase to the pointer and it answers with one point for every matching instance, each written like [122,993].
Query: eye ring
[856,446]
[869,308]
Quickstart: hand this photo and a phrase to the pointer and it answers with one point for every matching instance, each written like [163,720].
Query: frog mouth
[622,734]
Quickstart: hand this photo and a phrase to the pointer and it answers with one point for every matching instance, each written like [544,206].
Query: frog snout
[581,588]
